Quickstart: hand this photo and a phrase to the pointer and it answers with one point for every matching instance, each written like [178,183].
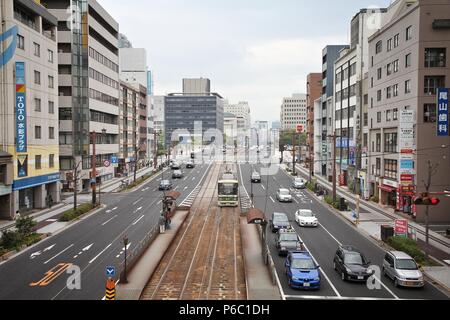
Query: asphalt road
[322,242]
[92,244]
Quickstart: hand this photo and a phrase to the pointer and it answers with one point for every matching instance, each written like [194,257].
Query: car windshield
[353,258]
[298,180]
[256,175]
[228,189]
[280,218]
[306,213]
[303,264]
[285,193]
[406,264]
[165,182]
[288,237]
[177,172]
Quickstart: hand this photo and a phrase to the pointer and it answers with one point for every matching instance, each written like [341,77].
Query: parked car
[284,195]
[299,183]
[351,264]
[287,240]
[165,185]
[301,270]
[306,218]
[279,221]
[402,269]
[190,165]
[177,174]
[256,177]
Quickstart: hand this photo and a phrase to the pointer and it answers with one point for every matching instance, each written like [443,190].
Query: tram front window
[228,189]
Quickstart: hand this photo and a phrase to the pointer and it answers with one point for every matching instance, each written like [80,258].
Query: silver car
[284,195]
[403,269]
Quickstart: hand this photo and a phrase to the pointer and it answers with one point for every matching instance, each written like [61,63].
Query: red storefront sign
[401,227]
[406,177]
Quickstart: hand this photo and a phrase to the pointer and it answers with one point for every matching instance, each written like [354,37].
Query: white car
[306,218]
[284,195]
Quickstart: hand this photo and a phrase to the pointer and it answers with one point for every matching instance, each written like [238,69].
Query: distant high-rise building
[293,112]
[196,86]
[124,42]
[242,113]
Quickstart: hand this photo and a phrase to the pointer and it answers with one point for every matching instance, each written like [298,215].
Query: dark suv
[351,264]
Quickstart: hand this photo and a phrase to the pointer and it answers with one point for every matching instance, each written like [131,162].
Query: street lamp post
[94,171]
[75,189]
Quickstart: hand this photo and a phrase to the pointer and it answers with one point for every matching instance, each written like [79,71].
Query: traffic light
[426,200]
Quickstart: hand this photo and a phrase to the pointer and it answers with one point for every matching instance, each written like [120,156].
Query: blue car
[301,271]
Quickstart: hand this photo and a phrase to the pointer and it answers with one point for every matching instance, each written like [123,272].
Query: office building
[196,86]
[293,112]
[88,57]
[407,126]
[29,150]
[313,92]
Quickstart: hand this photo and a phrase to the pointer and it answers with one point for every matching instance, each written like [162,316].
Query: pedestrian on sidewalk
[162,224]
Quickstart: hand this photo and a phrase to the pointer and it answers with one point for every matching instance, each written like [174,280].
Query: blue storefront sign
[345,143]
[8,54]
[442,113]
[21,109]
[407,164]
[35,181]
[114,160]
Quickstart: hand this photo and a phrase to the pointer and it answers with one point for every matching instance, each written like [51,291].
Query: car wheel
[396,283]
[343,276]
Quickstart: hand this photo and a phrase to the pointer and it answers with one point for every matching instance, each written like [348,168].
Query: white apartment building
[28,108]
[293,112]
[88,89]
[242,112]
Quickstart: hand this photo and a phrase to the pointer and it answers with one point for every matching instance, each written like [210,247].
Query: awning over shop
[387,188]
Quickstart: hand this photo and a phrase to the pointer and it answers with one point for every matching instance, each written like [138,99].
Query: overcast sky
[252,50]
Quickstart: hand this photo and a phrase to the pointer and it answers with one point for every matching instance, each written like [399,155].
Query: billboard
[442,113]
[21,109]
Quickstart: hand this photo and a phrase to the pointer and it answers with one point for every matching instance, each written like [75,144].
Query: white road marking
[138,209]
[104,223]
[95,258]
[295,200]
[175,188]
[143,190]
[49,248]
[88,247]
[334,298]
[136,202]
[262,186]
[160,201]
[193,178]
[185,188]
[34,255]
[58,254]
[272,199]
[51,220]
[134,223]
[185,179]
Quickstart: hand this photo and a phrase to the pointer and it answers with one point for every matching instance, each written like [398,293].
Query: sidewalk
[259,283]
[139,276]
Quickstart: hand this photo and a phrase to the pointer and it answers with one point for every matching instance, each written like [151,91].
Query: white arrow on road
[185,188]
[113,209]
[36,254]
[88,248]
[143,190]
[49,248]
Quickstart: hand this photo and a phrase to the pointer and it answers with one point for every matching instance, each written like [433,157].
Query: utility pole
[334,166]
[94,170]
[75,189]
[135,161]
[294,173]
[432,170]
[155,151]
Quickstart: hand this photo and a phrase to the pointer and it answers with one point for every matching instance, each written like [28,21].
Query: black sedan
[351,264]
[165,185]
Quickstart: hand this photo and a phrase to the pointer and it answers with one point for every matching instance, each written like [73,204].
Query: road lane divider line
[59,253]
[136,202]
[104,223]
[95,258]
[134,223]
[272,199]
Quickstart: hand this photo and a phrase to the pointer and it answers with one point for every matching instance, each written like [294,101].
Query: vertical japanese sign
[442,112]
[21,109]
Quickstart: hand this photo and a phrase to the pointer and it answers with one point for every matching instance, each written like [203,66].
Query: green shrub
[25,226]
[375,199]
[408,246]
[10,240]
[72,214]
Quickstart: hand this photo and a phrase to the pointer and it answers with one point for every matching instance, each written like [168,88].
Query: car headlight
[283,249]
[317,279]
[295,278]
[421,279]
[348,271]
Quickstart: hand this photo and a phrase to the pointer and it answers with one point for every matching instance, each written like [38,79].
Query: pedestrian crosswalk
[191,197]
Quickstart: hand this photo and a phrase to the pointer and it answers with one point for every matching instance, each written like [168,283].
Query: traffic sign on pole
[110,289]
[106,163]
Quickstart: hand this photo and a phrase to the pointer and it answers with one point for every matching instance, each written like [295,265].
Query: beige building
[294,112]
[29,164]
[408,63]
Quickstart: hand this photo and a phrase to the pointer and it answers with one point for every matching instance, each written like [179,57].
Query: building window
[395,114]
[20,42]
[379,73]
[38,162]
[51,107]
[51,83]
[435,57]
[51,161]
[390,142]
[389,45]
[409,33]
[395,90]
[407,86]
[389,69]
[51,133]
[37,49]
[395,66]
[429,113]
[432,83]
[365,140]
[388,92]
[378,117]
[408,60]
[37,77]
[396,38]
[390,169]
[366,119]
[378,167]
[37,132]
[388,115]
[379,47]
[50,56]
[379,95]
[37,105]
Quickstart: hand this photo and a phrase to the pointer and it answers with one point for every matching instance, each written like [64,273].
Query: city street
[323,242]
[92,244]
